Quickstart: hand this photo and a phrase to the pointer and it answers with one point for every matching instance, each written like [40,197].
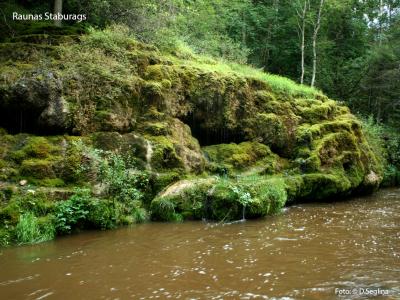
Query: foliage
[221,199]
[123,184]
[113,171]
[83,211]
[102,214]
[164,209]
[72,214]
[31,230]
[244,198]
[5,237]
[276,194]
[385,142]
[193,69]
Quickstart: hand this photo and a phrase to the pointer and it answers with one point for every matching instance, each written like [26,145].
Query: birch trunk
[57,10]
[314,44]
[302,16]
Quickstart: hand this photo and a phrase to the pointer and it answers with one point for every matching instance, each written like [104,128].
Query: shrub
[391,176]
[123,182]
[163,209]
[37,203]
[72,213]
[102,214]
[385,142]
[276,195]
[5,237]
[139,214]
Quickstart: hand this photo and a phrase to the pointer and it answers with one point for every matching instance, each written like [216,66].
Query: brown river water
[342,250]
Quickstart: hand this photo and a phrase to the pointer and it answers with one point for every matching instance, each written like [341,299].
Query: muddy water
[305,253]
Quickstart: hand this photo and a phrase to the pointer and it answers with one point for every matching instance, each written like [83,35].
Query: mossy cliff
[215,139]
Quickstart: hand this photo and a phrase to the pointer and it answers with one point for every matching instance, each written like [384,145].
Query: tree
[314,42]
[57,10]
[301,24]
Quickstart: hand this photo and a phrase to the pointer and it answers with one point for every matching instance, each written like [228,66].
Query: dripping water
[149,153]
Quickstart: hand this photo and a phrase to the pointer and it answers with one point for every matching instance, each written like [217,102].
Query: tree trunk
[302,16]
[57,10]
[315,35]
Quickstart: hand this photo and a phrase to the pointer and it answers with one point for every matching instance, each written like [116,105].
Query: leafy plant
[121,180]
[5,237]
[102,214]
[30,229]
[72,214]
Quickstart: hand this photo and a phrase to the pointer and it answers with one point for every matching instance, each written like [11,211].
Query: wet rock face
[35,104]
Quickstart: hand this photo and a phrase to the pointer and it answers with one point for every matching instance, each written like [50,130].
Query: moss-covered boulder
[265,138]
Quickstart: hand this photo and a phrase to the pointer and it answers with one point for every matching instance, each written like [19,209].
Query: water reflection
[305,253]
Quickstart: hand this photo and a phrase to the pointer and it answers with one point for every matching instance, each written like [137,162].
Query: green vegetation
[221,198]
[385,142]
[30,229]
[162,119]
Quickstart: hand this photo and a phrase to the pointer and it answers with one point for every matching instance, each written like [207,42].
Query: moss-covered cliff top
[255,139]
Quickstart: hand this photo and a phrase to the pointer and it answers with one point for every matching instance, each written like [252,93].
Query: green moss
[164,153]
[18,156]
[9,214]
[221,199]
[3,163]
[240,156]
[182,200]
[292,142]
[38,168]
[161,180]
[49,182]
[155,128]
[317,111]
[37,147]
[107,140]
[223,203]
[33,147]
[72,161]
[323,186]
[271,130]
[35,202]
[153,89]
[268,193]
[158,72]
[293,185]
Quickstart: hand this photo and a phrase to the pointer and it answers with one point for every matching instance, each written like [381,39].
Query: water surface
[304,253]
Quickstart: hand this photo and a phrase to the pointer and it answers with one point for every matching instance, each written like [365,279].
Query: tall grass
[30,229]
[279,84]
